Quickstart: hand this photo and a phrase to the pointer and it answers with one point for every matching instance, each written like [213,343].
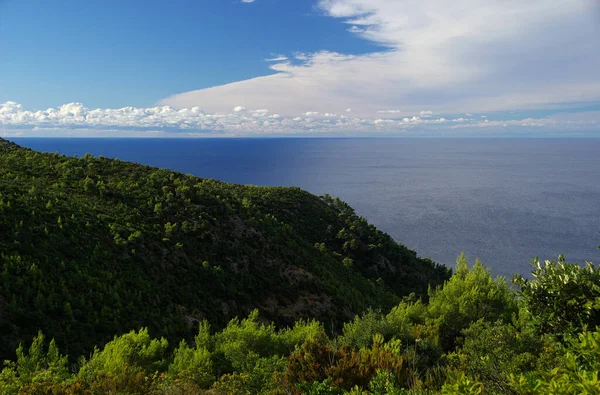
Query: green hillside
[94,247]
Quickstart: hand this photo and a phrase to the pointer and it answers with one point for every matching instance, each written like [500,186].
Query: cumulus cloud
[76,119]
[449,57]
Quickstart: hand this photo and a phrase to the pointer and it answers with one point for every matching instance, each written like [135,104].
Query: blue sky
[301,67]
[134,53]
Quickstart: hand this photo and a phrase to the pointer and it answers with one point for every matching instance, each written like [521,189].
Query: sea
[504,201]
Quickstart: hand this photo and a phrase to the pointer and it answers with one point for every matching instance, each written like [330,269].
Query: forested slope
[94,247]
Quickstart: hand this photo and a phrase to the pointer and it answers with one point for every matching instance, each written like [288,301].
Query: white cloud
[356,29]
[278,58]
[248,1]
[449,57]
[76,119]
[301,56]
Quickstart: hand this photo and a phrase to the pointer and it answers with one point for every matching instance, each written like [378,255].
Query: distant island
[123,278]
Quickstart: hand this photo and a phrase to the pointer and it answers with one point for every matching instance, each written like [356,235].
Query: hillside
[94,247]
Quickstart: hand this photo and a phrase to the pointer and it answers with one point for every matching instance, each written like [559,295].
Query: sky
[213,68]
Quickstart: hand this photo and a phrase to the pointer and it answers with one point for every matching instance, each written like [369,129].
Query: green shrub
[38,366]
[359,333]
[193,364]
[469,295]
[579,372]
[126,356]
[493,351]
[563,298]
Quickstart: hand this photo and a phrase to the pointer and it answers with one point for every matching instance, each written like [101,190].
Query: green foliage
[579,372]
[402,356]
[261,378]
[359,333]
[193,364]
[39,366]
[470,295]
[564,298]
[133,352]
[94,247]
[460,384]
[324,387]
[241,344]
[494,351]
[289,339]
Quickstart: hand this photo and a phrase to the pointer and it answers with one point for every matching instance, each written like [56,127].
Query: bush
[494,351]
[579,373]
[318,360]
[193,364]
[359,333]
[564,298]
[126,356]
[469,295]
[38,365]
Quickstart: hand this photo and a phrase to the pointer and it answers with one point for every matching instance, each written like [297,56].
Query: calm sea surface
[504,201]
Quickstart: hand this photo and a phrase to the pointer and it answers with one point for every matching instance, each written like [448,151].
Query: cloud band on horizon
[75,119]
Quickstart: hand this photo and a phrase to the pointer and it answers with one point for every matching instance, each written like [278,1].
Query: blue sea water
[502,200]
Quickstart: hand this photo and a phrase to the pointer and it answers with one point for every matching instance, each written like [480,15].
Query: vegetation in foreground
[474,335]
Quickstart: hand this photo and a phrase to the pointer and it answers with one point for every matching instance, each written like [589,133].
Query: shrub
[579,373]
[563,298]
[44,367]
[318,360]
[469,295]
[193,364]
[126,356]
[494,351]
